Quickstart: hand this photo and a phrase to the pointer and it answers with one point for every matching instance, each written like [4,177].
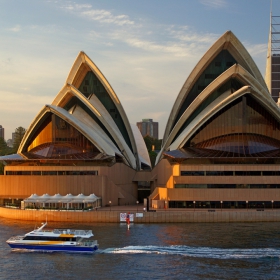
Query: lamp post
[165,204]
[272,204]
[221,205]
[137,204]
[247,204]
[110,204]
[194,205]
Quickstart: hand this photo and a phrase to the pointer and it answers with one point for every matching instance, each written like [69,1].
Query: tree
[152,145]
[1,168]
[3,147]
[19,133]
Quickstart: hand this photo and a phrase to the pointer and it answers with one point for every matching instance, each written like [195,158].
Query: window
[49,172]
[192,173]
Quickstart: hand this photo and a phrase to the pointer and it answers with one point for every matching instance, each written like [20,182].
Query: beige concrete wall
[110,182]
[162,173]
[163,216]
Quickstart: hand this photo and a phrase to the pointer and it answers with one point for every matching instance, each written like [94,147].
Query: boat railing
[13,238]
[78,232]
[87,243]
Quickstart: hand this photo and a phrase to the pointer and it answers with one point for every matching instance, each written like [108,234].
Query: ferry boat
[56,240]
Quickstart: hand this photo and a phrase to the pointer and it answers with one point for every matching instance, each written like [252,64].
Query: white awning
[57,198]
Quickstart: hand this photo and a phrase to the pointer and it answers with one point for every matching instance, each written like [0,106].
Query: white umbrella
[67,199]
[55,198]
[91,198]
[44,197]
[79,198]
[32,198]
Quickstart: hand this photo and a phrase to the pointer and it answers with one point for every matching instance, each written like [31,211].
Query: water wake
[198,252]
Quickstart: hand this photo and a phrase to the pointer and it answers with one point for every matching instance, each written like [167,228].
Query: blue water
[152,251]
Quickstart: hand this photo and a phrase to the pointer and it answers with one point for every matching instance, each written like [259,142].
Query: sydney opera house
[220,149]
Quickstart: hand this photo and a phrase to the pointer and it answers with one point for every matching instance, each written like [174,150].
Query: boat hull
[55,248]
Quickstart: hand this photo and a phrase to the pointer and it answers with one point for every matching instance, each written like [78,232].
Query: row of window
[227,186]
[259,205]
[50,238]
[230,173]
[42,173]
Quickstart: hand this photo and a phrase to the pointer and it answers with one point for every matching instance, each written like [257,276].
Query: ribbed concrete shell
[81,66]
[245,70]
[255,89]
[96,107]
[91,131]
[91,116]
[228,42]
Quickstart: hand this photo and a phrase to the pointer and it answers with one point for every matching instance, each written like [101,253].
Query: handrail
[73,231]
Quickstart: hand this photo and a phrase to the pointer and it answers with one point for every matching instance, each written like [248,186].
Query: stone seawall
[177,216]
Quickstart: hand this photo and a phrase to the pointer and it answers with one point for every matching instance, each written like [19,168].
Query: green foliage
[1,168]
[19,133]
[3,147]
[150,142]
[153,156]
[152,145]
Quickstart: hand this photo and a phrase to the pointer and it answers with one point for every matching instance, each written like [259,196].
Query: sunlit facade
[221,145]
[220,149]
[80,143]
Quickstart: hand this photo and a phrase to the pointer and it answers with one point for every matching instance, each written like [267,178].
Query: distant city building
[272,75]
[10,143]
[2,134]
[148,127]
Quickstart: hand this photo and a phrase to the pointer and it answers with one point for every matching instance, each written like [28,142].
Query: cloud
[104,16]
[214,4]
[177,41]
[257,49]
[16,28]
[145,62]
[185,35]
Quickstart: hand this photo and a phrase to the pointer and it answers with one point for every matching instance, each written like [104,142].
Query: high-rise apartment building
[272,75]
[148,127]
[2,135]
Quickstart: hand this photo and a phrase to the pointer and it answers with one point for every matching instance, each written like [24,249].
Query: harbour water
[152,251]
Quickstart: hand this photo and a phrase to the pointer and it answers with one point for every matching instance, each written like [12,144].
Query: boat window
[49,238]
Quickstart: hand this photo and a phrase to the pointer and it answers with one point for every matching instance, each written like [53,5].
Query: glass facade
[218,205]
[56,138]
[231,85]
[242,127]
[91,85]
[74,103]
[60,173]
[218,65]
[227,186]
[230,173]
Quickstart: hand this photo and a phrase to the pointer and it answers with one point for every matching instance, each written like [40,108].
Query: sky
[146,49]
